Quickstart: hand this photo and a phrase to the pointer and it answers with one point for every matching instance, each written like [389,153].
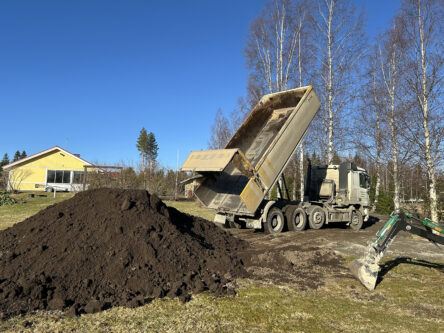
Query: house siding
[25,176]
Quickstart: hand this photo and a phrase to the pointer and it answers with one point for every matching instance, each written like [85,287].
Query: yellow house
[51,169]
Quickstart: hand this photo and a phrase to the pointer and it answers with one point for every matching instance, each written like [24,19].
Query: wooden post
[85,170]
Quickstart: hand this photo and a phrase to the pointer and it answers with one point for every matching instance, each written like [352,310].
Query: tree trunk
[390,81]
[301,170]
[378,146]
[425,123]
[301,145]
[395,156]
[295,177]
[330,88]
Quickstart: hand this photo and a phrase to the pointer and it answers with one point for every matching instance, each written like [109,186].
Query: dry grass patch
[26,207]
[398,305]
[192,208]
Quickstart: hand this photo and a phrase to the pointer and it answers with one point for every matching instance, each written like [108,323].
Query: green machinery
[366,269]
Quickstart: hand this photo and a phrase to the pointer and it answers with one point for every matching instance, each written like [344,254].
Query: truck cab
[342,191]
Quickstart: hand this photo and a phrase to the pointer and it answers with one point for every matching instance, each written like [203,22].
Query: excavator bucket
[366,273]
[366,269]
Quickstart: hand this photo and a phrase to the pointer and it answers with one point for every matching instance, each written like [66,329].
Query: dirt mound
[110,247]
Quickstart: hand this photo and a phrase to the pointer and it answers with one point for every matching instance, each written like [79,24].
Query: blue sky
[87,75]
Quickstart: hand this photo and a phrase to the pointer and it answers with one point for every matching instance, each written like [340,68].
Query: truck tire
[297,220]
[317,218]
[356,220]
[275,221]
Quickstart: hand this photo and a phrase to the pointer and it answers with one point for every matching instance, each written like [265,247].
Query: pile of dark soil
[110,247]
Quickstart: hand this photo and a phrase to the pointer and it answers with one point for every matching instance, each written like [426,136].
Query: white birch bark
[330,85]
[424,102]
[274,42]
[301,170]
[340,46]
[378,145]
[301,145]
[390,80]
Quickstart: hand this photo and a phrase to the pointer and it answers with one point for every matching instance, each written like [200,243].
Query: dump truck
[236,180]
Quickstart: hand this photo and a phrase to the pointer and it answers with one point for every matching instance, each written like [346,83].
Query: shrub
[6,199]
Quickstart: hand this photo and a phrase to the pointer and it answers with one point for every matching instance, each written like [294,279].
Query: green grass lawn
[192,208]
[11,214]
[409,299]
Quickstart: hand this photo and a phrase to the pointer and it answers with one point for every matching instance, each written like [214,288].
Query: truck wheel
[356,220]
[297,220]
[317,218]
[275,221]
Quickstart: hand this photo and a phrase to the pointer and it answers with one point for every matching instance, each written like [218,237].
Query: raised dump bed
[235,180]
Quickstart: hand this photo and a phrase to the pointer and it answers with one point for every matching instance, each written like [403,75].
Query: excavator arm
[366,269]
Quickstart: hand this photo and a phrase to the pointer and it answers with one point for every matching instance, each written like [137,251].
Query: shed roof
[25,159]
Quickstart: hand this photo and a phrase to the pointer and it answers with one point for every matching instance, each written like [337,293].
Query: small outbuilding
[51,169]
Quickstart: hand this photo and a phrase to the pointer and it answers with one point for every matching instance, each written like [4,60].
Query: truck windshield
[364,180]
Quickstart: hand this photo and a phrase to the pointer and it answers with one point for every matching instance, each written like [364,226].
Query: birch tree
[276,51]
[272,45]
[220,131]
[378,139]
[423,27]
[340,45]
[390,64]
[304,61]
[369,119]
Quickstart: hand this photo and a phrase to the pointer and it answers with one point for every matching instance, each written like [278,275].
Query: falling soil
[111,247]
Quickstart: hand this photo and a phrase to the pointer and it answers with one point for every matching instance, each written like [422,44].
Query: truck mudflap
[220,220]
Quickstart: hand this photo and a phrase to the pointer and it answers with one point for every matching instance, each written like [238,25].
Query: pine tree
[315,160]
[152,147]
[143,144]
[16,156]
[23,155]
[359,161]
[147,146]
[5,160]
[336,159]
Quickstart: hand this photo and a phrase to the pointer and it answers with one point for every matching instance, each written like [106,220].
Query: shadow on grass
[389,265]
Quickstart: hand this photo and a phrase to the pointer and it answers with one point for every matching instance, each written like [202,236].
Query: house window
[58,176]
[77,177]
[50,176]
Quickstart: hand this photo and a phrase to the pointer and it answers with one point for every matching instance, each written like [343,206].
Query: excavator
[367,268]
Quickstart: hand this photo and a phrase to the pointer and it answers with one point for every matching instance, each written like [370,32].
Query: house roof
[23,160]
